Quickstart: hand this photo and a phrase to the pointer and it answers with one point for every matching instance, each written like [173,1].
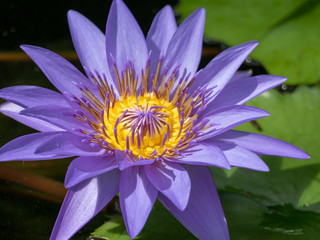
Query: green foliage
[287,29]
[250,220]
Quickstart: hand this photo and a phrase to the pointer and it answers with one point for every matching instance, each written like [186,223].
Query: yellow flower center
[146,127]
[160,123]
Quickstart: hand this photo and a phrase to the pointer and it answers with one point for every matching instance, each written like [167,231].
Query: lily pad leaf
[287,29]
[250,220]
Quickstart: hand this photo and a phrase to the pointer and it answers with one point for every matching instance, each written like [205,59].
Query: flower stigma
[158,121]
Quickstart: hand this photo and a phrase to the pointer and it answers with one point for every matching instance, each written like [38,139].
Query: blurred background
[280,204]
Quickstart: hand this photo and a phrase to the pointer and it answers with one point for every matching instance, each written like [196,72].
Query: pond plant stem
[36,182]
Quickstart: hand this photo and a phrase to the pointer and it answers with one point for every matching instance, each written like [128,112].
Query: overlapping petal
[241,157]
[62,117]
[240,74]
[229,117]
[83,202]
[69,144]
[204,153]
[220,69]
[32,96]
[124,160]
[61,73]
[125,41]
[203,215]
[137,196]
[83,168]
[172,180]
[13,110]
[89,43]
[161,31]
[262,144]
[24,148]
[184,49]
[244,89]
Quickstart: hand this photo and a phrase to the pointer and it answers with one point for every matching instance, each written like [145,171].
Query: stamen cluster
[158,121]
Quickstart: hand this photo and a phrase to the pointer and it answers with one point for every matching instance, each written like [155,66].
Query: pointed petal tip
[264,113]
[27,48]
[248,46]
[264,168]
[278,79]
[301,154]
[132,234]
[200,14]
[282,79]
[201,11]
[71,14]
[253,43]
[307,156]
[24,47]
[227,167]
[260,113]
[167,8]
[181,206]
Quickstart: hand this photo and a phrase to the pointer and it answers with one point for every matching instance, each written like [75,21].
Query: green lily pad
[248,219]
[294,118]
[235,21]
[292,48]
[288,30]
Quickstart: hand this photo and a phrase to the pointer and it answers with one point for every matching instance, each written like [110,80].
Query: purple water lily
[143,122]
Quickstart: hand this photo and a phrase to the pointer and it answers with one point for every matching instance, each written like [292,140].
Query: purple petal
[12,110]
[203,216]
[171,180]
[124,39]
[229,117]
[221,69]
[161,31]
[31,96]
[124,160]
[204,153]
[184,49]
[241,157]
[89,43]
[137,196]
[240,74]
[69,144]
[83,168]
[243,90]
[62,117]
[83,202]
[61,73]
[24,147]
[262,144]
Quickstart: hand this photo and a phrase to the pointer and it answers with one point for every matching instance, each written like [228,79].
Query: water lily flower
[143,122]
